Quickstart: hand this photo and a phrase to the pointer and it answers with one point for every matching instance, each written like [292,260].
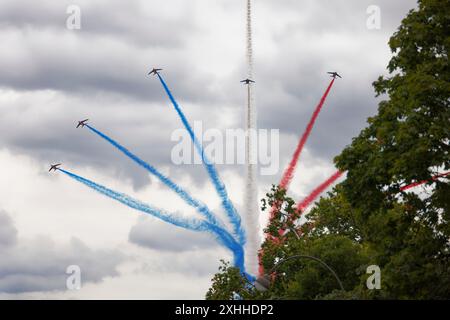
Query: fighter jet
[154,71]
[82,123]
[247,81]
[334,75]
[54,167]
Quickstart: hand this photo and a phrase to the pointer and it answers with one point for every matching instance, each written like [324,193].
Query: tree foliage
[407,141]
[230,284]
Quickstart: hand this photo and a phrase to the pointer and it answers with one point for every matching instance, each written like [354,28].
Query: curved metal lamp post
[263,283]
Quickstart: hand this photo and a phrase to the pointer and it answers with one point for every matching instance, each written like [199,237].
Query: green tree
[230,284]
[328,234]
[407,141]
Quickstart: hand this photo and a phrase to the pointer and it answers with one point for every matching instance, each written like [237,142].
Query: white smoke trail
[249,40]
[251,191]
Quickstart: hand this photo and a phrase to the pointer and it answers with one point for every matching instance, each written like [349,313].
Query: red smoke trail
[314,194]
[318,191]
[413,185]
[289,173]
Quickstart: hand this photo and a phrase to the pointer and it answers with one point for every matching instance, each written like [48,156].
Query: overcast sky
[52,76]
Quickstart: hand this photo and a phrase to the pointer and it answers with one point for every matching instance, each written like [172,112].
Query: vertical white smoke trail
[251,191]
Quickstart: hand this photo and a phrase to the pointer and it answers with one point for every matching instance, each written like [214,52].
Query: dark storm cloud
[40,264]
[162,237]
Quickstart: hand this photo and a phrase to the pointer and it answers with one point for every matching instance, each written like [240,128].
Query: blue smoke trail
[218,184]
[193,224]
[221,235]
[201,208]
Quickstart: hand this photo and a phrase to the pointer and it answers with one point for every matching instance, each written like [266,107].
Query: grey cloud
[199,263]
[88,68]
[100,73]
[128,21]
[100,56]
[8,232]
[327,15]
[40,264]
[55,137]
[178,250]
[161,237]
[294,87]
